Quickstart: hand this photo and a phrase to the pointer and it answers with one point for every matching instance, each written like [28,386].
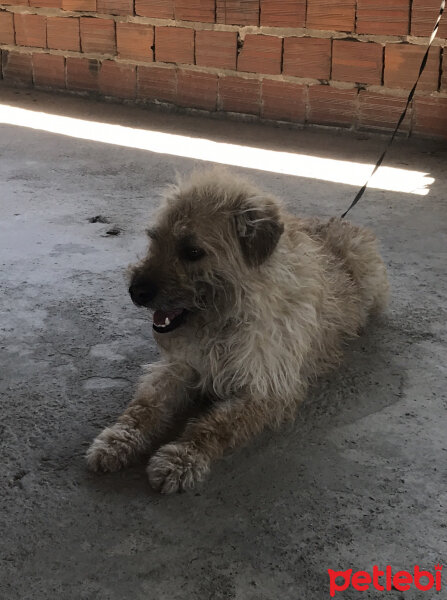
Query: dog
[249,305]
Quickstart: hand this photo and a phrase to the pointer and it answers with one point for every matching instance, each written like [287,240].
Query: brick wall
[348,63]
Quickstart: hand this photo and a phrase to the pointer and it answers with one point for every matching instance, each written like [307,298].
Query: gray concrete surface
[360,479]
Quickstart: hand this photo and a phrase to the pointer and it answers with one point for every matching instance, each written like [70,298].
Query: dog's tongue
[160,316]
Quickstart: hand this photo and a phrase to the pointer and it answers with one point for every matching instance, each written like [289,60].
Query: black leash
[402,116]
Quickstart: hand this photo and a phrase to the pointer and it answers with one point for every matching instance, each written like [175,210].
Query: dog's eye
[192,253]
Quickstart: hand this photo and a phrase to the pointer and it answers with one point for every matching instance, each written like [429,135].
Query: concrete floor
[359,480]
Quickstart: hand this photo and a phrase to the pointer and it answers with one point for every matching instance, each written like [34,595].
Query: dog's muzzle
[143,293]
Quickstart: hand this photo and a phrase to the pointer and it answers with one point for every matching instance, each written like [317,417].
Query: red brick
[15,2]
[174,44]
[31,30]
[98,35]
[115,7]
[17,68]
[197,90]
[135,41]
[216,49]
[283,101]
[46,3]
[84,5]
[117,80]
[260,54]
[202,11]
[357,61]
[336,15]
[383,17]
[160,9]
[237,12]
[330,106]
[6,28]
[157,83]
[82,74]
[286,13]
[444,71]
[377,111]
[430,117]
[307,57]
[63,33]
[402,62]
[423,17]
[49,70]
[240,95]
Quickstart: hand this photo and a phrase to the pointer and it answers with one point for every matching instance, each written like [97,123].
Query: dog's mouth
[168,320]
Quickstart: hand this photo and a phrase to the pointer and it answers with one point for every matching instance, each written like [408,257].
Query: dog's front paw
[177,467]
[114,448]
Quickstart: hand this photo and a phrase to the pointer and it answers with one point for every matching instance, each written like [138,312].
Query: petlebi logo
[386,580]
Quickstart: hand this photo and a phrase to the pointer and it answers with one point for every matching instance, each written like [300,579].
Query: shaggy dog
[249,304]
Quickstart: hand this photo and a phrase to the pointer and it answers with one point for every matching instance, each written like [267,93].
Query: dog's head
[210,232]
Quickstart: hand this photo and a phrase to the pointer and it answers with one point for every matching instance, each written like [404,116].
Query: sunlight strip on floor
[286,163]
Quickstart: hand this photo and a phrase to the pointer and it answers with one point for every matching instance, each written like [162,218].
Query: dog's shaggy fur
[268,298]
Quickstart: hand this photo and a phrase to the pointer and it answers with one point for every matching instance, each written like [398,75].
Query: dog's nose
[142,293]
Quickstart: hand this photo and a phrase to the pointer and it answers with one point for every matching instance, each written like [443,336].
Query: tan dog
[249,304]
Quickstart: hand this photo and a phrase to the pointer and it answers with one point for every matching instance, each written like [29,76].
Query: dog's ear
[258,227]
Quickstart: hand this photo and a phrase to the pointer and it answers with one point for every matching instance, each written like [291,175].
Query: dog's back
[335,279]
[356,249]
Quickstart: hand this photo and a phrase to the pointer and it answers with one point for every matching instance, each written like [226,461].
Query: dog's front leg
[160,394]
[180,465]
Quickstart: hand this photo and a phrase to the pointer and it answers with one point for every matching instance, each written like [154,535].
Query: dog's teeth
[167,321]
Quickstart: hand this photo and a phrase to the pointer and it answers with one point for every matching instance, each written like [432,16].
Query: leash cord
[402,116]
